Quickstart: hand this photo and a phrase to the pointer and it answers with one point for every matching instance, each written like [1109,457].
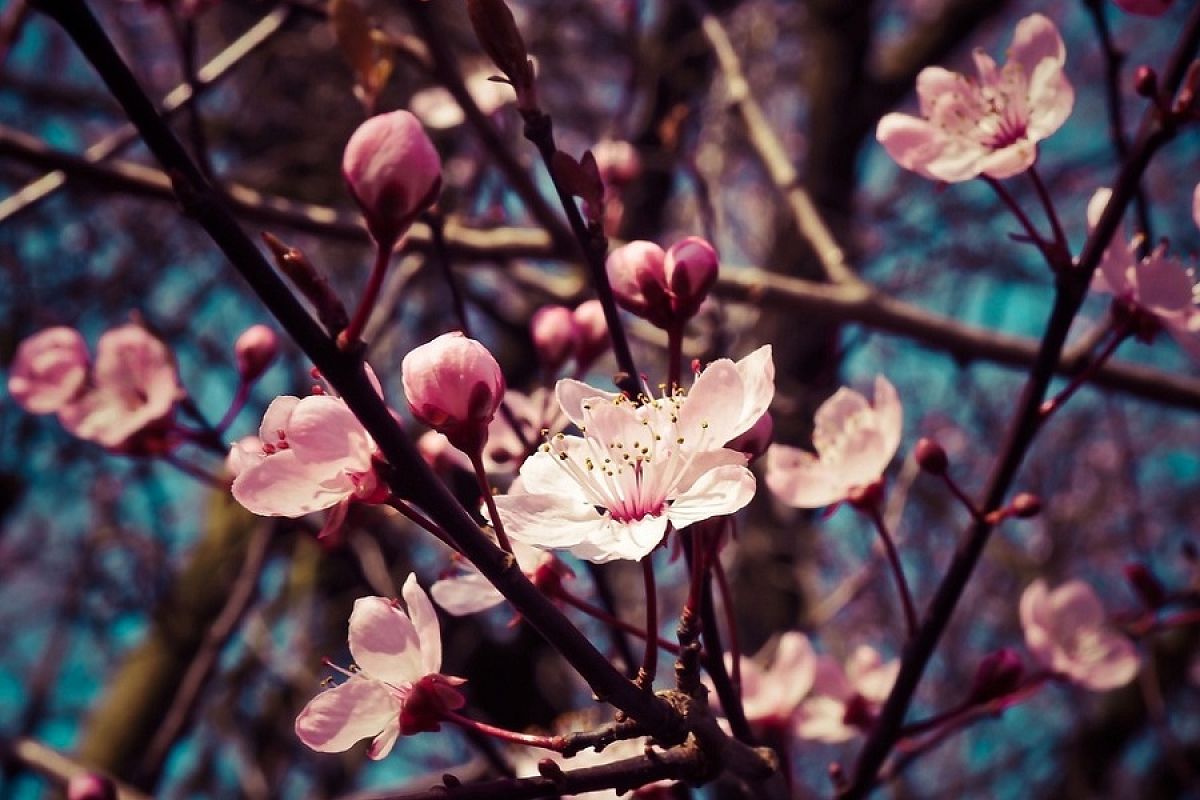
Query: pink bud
[690,272]
[592,331]
[393,171]
[90,786]
[555,335]
[254,350]
[636,272]
[454,386]
[49,370]
[755,441]
[617,161]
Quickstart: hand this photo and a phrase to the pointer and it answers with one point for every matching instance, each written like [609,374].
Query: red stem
[485,489]
[608,619]
[910,611]
[1120,333]
[555,743]
[735,650]
[383,254]
[645,678]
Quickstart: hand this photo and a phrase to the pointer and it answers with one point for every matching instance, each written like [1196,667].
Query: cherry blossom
[397,689]
[466,591]
[1157,289]
[844,702]
[663,287]
[555,335]
[772,693]
[1067,632]
[989,126]
[854,440]
[133,389]
[454,386]
[49,370]
[393,171]
[611,493]
[254,351]
[311,453]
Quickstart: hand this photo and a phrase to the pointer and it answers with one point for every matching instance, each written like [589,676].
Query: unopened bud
[1145,81]
[454,386]
[690,270]
[999,674]
[310,283]
[1148,587]
[393,171]
[931,456]
[858,713]
[617,161]
[91,786]
[1026,505]
[592,331]
[501,39]
[555,335]
[254,351]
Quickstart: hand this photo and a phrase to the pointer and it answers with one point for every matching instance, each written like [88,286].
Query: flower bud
[636,272]
[254,350]
[755,441]
[617,161]
[999,674]
[555,335]
[454,386]
[690,272]
[591,330]
[1148,587]
[49,370]
[1026,505]
[931,457]
[91,786]
[393,171]
[1145,81]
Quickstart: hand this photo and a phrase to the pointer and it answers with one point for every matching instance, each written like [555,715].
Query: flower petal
[280,486]
[424,619]
[797,478]
[337,718]
[465,593]
[384,642]
[547,521]
[718,492]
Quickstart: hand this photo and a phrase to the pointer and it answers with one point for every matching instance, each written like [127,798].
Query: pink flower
[665,288]
[311,454]
[1067,632]
[49,370]
[90,786]
[991,126]
[134,388]
[555,335]
[393,171]
[1157,288]
[1146,8]
[397,689]
[855,442]
[612,492]
[254,350]
[466,591]
[454,386]
[844,703]
[771,694]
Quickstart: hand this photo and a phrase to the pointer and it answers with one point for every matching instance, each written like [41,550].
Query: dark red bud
[867,498]
[1148,587]
[931,457]
[1145,81]
[91,786]
[999,674]
[1026,505]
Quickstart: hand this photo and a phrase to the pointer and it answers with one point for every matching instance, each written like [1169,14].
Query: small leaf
[352,28]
